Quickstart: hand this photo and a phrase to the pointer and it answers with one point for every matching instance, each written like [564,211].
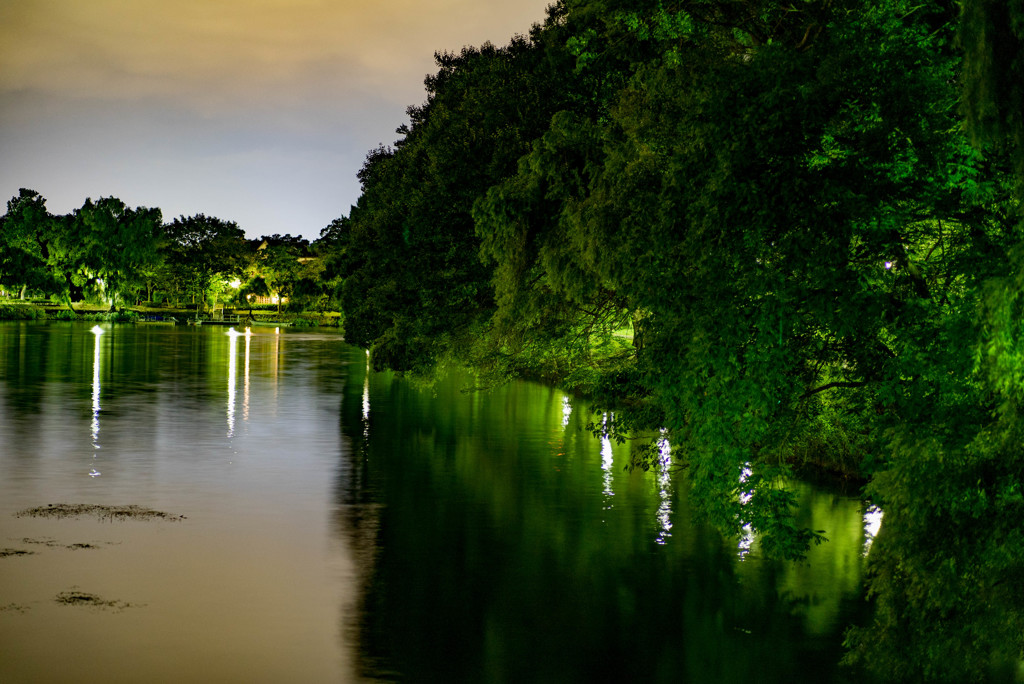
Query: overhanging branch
[832,385]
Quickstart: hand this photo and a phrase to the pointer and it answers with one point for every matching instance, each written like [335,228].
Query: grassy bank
[44,310]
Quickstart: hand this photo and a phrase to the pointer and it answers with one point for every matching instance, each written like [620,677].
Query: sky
[254,111]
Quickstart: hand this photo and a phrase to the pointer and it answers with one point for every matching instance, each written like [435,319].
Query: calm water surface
[343,526]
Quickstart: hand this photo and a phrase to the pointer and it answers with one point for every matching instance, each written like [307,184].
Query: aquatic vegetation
[74,597]
[20,312]
[97,511]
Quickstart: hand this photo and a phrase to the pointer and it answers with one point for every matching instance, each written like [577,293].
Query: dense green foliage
[200,253]
[415,287]
[17,312]
[759,229]
[771,233]
[106,252]
[285,267]
[103,246]
[992,34]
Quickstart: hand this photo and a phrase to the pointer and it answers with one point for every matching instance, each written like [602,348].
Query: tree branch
[831,385]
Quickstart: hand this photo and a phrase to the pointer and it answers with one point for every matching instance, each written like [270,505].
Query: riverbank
[47,310]
[830,450]
[826,456]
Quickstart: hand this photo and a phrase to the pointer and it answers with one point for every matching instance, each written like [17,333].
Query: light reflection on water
[233,336]
[232,363]
[247,587]
[663,476]
[245,386]
[607,466]
[315,550]
[746,542]
[529,565]
[872,524]
[95,427]
[366,397]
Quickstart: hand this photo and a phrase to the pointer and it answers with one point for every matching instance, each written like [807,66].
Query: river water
[347,526]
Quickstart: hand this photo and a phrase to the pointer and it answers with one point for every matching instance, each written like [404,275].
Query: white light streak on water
[664,513]
[245,390]
[872,524]
[232,380]
[96,331]
[747,539]
[744,476]
[746,542]
[366,397]
[566,411]
[606,465]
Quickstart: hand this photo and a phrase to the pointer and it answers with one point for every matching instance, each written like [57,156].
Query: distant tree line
[108,252]
[774,233]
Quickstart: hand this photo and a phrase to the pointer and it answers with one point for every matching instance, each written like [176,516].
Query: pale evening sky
[255,111]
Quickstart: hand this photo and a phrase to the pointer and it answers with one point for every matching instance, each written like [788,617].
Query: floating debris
[13,608]
[52,543]
[97,511]
[4,553]
[44,541]
[74,597]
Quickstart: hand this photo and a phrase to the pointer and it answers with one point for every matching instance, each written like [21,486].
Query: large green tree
[955,468]
[25,233]
[768,202]
[200,253]
[781,203]
[330,248]
[415,290]
[283,264]
[119,244]
[105,244]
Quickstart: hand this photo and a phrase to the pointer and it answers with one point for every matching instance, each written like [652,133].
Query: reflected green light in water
[833,571]
[488,496]
[479,512]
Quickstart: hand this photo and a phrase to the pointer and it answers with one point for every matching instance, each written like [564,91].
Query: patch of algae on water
[75,597]
[99,512]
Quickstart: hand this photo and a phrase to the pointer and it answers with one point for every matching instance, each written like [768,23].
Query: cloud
[222,53]
[258,111]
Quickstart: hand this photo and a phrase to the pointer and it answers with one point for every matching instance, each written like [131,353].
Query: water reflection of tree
[24,355]
[24,350]
[476,565]
[357,513]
